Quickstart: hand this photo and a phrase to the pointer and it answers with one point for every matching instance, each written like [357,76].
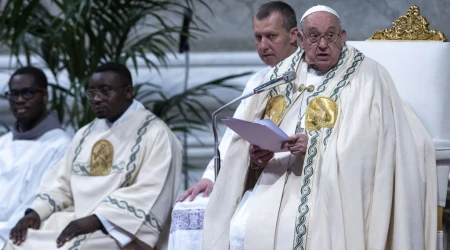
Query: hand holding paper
[297,144]
[263,133]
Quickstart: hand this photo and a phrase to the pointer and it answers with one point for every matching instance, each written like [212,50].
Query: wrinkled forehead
[321,21]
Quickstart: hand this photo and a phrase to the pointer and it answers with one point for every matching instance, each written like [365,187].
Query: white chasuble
[127,173]
[367,180]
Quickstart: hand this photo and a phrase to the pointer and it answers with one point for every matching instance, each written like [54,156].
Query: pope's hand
[259,156]
[78,227]
[19,233]
[297,144]
[204,186]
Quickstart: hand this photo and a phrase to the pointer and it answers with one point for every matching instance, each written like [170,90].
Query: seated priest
[116,185]
[31,149]
[359,170]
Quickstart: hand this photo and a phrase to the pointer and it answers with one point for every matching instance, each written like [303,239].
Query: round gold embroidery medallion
[321,112]
[275,108]
[101,158]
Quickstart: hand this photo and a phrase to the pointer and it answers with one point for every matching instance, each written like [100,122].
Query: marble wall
[231,26]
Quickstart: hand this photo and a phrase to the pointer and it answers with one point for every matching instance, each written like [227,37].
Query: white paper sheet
[263,133]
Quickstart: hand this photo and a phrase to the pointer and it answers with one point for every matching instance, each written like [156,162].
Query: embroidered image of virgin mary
[101,158]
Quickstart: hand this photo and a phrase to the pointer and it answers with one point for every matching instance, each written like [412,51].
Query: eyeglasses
[103,92]
[330,37]
[27,94]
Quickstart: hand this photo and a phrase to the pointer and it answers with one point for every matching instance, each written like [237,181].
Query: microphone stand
[184,48]
[286,77]
[214,127]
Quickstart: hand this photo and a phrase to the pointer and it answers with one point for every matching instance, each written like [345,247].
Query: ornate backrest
[411,27]
[418,60]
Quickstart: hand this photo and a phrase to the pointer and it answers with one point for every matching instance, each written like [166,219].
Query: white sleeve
[120,235]
[209,172]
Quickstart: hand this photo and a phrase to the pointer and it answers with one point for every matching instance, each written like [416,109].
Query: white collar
[315,72]
[134,106]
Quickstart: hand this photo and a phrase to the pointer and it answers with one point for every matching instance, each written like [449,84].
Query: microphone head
[289,76]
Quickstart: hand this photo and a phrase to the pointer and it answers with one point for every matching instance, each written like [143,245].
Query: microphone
[284,78]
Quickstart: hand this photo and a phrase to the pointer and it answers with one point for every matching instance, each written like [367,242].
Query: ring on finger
[259,161]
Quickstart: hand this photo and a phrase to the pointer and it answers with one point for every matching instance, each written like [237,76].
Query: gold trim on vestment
[412,26]
[321,113]
[302,88]
[101,158]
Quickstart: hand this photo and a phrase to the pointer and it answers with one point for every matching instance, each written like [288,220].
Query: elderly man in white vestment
[32,148]
[276,34]
[115,187]
[360,168]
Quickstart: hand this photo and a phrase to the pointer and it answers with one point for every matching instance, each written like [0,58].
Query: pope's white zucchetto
[319,8]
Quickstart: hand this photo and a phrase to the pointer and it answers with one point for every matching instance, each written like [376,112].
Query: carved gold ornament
[321,112]
[101,158]
[413,26]
[275,108]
